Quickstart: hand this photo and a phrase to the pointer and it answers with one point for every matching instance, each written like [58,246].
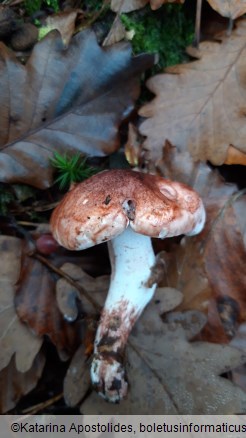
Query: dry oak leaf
[15,384]
[234,156]
[200,106]
[15,339]
[169,375]
[64,99]
[36,306]
[117,32]
[77,381]
[67,295]
[64,22]
[229,8]
[209,269]
[124,6]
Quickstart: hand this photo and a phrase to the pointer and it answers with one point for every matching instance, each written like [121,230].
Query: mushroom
[124,208]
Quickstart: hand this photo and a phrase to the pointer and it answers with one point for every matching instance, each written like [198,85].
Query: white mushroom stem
[132,258]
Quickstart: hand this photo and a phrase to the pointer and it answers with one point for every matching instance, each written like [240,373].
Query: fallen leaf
[132,5]
[199,106]
[225,235]
[67,295]
[74,101]
[133,146]
[117,33]
[36,305]
[169,375]
[167,298]
[77,381]
[15,384]
[229,8]
[203,267]
[64,22]
[234,156]
[16,339]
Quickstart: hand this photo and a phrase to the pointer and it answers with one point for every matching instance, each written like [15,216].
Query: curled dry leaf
[226,250]
[200,106]
[15,384]
[72,102]
[234,156]
[203,267]
[229,8]
[16,339]
[64,22]
[36,305]
[117,33]
[133,146]
[67,295]
[179,376]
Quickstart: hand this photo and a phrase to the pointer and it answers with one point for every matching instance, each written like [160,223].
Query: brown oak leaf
[200,105]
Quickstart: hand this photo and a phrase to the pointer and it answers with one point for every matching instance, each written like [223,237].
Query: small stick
[36,408]
[198,24]
[69,279]
[32,224]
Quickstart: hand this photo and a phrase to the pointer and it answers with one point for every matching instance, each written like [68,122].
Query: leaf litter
[15,384]
[36,305]
[199,106]
[167,373]
[177,371]
[16,339]
[74,101]
[161,349]
[231,8]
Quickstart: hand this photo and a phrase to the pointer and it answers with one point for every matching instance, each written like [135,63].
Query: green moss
[166,31]
[32,6]
[71,169]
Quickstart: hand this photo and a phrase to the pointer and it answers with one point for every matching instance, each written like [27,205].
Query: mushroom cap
[101,207]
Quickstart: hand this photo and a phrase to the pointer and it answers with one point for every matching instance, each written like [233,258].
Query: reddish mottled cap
[100,208]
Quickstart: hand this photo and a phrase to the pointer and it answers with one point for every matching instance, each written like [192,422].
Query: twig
[12,2]
[69,279]
[198,24]
[32,224]
[36,408]
[230,27]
